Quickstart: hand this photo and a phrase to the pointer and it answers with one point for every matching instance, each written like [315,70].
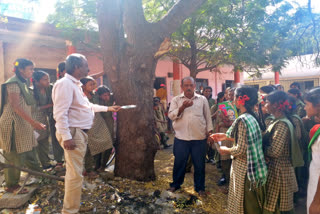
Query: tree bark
[130,64]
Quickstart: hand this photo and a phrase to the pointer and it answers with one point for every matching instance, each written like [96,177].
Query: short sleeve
[13,88]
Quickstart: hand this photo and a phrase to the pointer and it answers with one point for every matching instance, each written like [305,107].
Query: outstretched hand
[114,108]
[218,137]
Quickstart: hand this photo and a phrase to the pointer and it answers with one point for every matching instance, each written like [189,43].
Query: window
[201,84]
[308,85]
[255,86]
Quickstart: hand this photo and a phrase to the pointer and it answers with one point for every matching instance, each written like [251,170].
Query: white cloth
[71,108]
[314,172]
[194,122]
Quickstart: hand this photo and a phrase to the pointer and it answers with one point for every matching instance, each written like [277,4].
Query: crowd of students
[27,125]
[264,152]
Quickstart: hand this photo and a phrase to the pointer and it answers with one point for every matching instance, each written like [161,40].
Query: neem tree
[130,48]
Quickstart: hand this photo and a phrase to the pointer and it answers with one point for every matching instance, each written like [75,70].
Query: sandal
[58,167]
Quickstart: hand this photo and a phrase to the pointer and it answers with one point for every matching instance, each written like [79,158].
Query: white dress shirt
[71,107]
[195,121]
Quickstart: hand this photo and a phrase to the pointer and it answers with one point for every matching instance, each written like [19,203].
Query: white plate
[128,106]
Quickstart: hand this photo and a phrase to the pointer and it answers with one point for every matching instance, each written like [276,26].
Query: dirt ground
[109,194]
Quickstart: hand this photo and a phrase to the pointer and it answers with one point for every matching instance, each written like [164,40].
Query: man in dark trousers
[192,124]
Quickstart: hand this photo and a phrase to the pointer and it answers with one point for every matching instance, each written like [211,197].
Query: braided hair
[293,105]
[102,89]
[267,89]
[86,79]
[252,93]
[261,116]
[220,96]
[36,77]
[281,98]
[61,68]
[296,92]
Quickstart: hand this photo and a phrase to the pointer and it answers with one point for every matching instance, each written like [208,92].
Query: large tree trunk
[136,146]
[130,65]
[193,50]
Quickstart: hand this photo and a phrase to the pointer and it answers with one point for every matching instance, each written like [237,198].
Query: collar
[70,77]
[195,95]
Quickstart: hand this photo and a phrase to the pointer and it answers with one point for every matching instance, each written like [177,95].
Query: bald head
[187,78]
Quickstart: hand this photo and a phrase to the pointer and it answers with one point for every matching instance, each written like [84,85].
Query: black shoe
[165,146]
[222,182]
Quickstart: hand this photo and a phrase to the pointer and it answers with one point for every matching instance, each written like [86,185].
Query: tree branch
[134,21]
[176,16]
[206,68]
[31,172]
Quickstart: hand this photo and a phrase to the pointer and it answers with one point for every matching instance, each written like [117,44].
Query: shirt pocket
[197,109]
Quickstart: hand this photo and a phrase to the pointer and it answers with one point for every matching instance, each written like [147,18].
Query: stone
[167,194]
[199,203]
[159,202]
[11,201]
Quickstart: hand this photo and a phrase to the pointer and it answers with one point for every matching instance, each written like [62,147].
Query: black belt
[85,130]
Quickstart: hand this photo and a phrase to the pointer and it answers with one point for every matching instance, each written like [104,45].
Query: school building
[45,46]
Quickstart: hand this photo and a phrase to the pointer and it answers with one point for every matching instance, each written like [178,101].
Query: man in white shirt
[74,115]
[192,124]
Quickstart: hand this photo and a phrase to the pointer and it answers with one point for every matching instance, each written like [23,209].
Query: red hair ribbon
[242,99]
[262,99]
[282,106]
